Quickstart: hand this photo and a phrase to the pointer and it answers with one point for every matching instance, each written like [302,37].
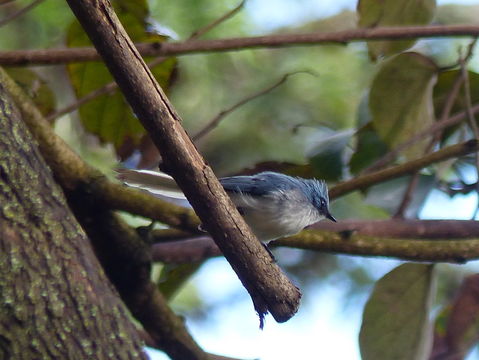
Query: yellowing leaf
[396,322]
[377,13]
[400,100]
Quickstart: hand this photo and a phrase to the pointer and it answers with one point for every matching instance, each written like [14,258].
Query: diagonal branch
[269,288]
[62,56]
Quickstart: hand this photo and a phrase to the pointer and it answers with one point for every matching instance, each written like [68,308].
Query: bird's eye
[323,202]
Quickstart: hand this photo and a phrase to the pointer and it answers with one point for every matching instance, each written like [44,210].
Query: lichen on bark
[55,301]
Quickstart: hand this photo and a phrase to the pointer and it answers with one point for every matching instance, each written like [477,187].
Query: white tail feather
[152,181]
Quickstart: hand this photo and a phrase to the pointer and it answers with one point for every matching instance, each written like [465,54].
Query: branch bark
[403,228]
[450,250]
[416,240]
[269,288]
[63,56]
[368,180]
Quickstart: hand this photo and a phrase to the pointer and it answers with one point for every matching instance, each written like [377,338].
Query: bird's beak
[330,217]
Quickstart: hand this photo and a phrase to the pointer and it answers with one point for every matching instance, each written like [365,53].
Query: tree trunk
[55,301]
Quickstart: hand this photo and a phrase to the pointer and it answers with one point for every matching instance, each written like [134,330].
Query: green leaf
[383,13]
[35,87]
[400,100]
[326,157]
[396,322]
[173,277]
[109,116]
[369,148]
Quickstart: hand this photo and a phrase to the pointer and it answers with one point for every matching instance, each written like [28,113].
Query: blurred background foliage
[333,117]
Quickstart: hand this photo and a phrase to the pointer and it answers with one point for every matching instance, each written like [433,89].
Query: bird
[274,205]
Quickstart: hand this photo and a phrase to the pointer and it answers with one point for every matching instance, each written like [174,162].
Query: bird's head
[318,191]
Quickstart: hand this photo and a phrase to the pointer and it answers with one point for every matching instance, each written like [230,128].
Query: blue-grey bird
[273,205]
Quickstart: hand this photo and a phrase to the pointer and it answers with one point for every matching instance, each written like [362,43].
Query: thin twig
[19,12]
[470,115]
[201,31]
[216,120]
[62,56]
[410,167]
[407,197]
[433,129]
[107,89]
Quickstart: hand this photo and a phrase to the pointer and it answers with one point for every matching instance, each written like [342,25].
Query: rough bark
[55,301]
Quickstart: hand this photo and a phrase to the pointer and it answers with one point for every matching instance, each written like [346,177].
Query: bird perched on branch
[273,205]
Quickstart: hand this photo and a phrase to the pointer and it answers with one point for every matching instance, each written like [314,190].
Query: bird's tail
[152,181]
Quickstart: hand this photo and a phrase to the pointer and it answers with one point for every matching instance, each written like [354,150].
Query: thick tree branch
[62,56]
[395,237]
[56,301]
[399,228]
[269,288]
[450,250]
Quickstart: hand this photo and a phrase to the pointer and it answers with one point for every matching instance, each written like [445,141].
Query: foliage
[363,102]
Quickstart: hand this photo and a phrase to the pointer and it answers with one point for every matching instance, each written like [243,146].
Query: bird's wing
[152,181]
[257,185]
